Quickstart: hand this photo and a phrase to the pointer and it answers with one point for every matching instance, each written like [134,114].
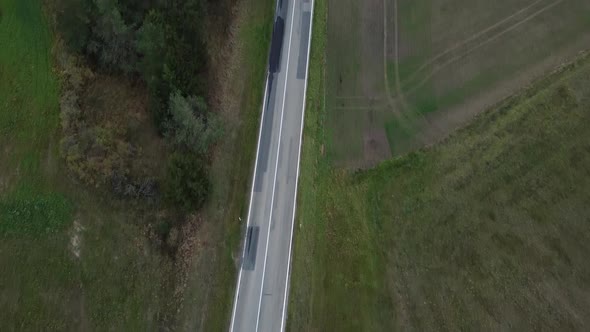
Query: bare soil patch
[76,238]
[356,81]
[376,147]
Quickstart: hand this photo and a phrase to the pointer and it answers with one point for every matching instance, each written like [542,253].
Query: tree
[186,53]
[187,183]
[190,126]
[151,44]
[112,41]
[135,11]
[73,21]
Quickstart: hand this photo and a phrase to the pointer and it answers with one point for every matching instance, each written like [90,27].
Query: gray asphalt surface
[263,281]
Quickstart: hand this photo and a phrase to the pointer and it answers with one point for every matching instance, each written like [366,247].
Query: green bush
[190,126]
[113,41]
[187,183]
[73,22]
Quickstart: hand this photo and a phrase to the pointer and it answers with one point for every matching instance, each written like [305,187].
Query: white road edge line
[285,296]
[233,315]
[274,185]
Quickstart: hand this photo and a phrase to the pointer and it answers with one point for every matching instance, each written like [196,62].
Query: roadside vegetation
[212,275]
[117,153]
[485,230]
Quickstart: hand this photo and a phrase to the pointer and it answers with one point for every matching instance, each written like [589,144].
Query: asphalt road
[260,302]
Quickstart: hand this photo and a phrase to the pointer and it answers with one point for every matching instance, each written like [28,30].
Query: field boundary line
[470,39]
[442,66]
[357,97]
[360,108]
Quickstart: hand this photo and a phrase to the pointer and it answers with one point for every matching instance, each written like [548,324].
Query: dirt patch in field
[76,238]
[376,146]
[355,81]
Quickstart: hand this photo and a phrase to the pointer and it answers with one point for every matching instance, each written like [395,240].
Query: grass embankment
[210,289]
[69,260]
[488,229]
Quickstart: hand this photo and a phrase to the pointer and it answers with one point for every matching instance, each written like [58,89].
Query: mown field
[488,230]
[407,73]
[70,259]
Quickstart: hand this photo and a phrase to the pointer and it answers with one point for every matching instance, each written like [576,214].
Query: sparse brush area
[488,230]
[113,159]
[124,64]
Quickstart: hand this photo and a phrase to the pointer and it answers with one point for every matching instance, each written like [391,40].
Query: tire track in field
[408,117]
[385,74]
[470,39]
[398,85]
[440,67]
